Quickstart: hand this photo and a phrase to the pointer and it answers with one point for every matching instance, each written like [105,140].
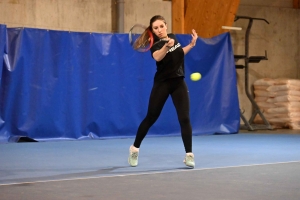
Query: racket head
[140,38]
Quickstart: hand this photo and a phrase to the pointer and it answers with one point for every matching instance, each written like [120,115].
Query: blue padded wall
[59,85]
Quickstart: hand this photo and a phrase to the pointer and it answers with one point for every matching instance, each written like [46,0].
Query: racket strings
[141,38]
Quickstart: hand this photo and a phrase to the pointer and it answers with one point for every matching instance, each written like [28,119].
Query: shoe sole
[190,166]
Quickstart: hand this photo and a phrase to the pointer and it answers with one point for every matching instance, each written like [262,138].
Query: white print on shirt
[174,47]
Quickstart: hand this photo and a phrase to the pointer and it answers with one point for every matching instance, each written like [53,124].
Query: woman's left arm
[187,48]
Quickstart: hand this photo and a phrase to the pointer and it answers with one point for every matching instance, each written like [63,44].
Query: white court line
[148,173]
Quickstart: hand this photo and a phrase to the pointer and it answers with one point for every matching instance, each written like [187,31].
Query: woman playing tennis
[168,81]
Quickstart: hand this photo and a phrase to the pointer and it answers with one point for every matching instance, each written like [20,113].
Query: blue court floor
[224,163]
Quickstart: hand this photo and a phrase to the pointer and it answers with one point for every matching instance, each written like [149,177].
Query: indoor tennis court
[239,166]
[76,81]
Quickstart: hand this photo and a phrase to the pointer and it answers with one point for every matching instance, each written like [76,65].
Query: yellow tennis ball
[195,76]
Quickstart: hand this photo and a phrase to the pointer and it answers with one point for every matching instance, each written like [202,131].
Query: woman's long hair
[144,38]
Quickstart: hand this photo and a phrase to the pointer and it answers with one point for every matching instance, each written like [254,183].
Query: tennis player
[168,81]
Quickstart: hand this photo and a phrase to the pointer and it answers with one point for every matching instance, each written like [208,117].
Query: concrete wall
[76,15]
[140,11]
[281,38]
[80,15]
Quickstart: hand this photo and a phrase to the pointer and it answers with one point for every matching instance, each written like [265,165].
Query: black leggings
[177,88]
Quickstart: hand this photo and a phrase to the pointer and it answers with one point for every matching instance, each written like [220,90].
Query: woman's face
[159,28]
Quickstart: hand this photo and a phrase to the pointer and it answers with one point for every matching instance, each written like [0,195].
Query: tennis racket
[141,38]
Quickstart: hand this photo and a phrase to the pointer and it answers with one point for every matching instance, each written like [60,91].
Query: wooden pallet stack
[279,100]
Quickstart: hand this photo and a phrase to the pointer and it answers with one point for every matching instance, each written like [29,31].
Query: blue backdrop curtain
[68,85]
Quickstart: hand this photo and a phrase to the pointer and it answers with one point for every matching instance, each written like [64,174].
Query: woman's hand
[188,47]
[194,38]
[170,43]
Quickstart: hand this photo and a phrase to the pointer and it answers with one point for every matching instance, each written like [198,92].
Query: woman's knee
[184,120]
[152,117]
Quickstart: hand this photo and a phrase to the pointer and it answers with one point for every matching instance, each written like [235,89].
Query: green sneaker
[133,156]
[189,160]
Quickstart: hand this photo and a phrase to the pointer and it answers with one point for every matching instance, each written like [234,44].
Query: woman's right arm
[160,54]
